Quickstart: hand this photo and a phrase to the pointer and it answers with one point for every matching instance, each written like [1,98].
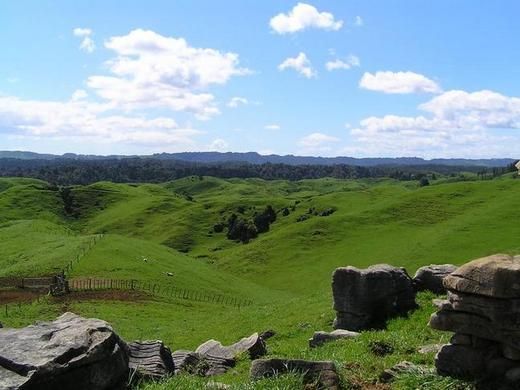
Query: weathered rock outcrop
[150,359]
[366,298]
[483,309]
[254,345]
[212,358]
[430,278]
[322,373]
[69,353]
[401,368]
[319,338]
[202,365]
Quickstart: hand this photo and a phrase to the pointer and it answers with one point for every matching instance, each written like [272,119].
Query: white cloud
[304,16]
[458,123]
[79,94]
[272,126]
[219,145]
[317,143]
[358,21]
[398,82]
[236,101]
[78,119]
[300,64]
[87,43]
[351,61]
[151,70]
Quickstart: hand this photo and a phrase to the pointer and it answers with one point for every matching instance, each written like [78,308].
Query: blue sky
[358,78]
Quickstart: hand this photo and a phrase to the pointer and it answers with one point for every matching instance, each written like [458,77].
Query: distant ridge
[256,158]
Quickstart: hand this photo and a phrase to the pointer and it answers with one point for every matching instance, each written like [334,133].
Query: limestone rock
[198,364]
[496,276]
[319,338]
[461,361]
[403,367]
[71,352]
[431,348]
[254,345]
[366,298]
[323,372]
[430,277]
[150,359]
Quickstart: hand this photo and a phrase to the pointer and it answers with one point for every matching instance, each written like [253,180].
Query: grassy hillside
[285,271]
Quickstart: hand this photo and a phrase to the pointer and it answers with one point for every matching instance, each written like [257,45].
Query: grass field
[285,272]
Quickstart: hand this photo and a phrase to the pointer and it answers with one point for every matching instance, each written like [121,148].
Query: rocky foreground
[482,309]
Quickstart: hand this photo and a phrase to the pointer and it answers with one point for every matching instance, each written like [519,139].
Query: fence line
[156,289]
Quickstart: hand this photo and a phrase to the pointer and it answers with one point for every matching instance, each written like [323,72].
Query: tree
[424,182]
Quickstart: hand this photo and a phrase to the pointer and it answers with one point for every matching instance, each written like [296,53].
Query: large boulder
[430,278]
[483,309]
[71,352]
[150,359]
[366,298]
[321,373]
[496,276]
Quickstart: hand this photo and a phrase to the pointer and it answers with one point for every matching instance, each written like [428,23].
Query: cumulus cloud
[358,21]
[154,71]
[300,64]
[304,16]
[79,94]
[398,82]
[272,126]
[87,120]
[87,43]
[317,143]
[456,123]
[351,61]
[218,145]
[236,101]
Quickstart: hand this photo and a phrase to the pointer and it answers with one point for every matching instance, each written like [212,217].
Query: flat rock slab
[430,277]
[254,345]
[319,338]
[496,276]
[198,364]
[71,352]
[404,367]
[321,373]
[150,359]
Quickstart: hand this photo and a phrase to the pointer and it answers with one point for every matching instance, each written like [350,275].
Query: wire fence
[157,289]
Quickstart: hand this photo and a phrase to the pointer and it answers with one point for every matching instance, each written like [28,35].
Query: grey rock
[513,375]
[498,366]
[430,277]
[461,339]
[510,352]
[322,372]
[267,334]
[404,367]
[319,338]
[461,361]
[366,298]
[431,348]
[254,345]
[71,352]
[496,276]
[150,359]
[198,364]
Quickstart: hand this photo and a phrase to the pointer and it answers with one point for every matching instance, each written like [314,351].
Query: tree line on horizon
[146,170]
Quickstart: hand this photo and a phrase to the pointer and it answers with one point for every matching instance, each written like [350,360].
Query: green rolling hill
[284,271]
